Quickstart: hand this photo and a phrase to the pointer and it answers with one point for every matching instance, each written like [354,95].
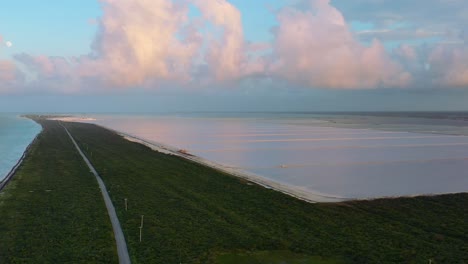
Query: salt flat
[335,161]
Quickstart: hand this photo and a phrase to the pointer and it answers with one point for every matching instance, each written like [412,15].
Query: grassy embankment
[52,211]
[194,214]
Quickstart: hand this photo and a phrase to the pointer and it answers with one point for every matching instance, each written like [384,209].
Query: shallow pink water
[344,162]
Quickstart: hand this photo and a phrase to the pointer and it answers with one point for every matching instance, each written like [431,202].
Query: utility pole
[141,226]
[126,204]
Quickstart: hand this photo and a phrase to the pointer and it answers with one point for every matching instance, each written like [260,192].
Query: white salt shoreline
[293,191]
[72,119]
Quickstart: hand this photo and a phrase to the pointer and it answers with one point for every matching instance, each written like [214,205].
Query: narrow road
[122,250]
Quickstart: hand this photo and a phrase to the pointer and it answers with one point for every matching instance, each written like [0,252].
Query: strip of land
[118,234]
[12,172]
[196,214]
[52,211]
[293,191]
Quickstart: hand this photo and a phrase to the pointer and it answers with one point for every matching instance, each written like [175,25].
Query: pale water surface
[16,133]
[343,159]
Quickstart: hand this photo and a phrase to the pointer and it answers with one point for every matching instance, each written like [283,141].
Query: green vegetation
[194,214]
[271,257]
[52,211]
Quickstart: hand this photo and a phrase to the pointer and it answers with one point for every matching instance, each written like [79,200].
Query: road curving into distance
[122,250]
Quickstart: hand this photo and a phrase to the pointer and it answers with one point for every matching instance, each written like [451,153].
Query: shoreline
[293,191]
[290,190]
[181,200]
[11,174]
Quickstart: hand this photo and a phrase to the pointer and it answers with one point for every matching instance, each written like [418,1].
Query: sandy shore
[294,191]
[72,119]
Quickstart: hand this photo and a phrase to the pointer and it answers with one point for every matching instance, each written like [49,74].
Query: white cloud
[315,46]
[10,77]
[155,43]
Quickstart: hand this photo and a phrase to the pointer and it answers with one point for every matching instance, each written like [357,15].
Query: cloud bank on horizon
[161,43]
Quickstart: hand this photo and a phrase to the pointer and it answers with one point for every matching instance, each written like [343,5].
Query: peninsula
[172,210]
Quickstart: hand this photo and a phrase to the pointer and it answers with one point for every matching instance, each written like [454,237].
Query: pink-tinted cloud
[224,55]
[44,66]
[437,66]
[52,74]
[10,76]
[7,71]
[142,43]
[152,43]
[449,64]
[138,42]
[406,52]
[316,47]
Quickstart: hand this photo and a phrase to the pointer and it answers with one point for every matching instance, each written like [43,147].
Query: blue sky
[63,28]
[259,17]
[315,48]
[55,27]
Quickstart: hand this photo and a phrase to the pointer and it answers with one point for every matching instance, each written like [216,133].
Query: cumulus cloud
[10,76]
[316,47]
[138,42]
[224,55]
[439,61]
[442,65]
[56,74]
[7,71]
[449,65]
[154,43]
[141,43]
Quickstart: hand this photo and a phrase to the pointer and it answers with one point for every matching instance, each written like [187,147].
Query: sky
[233,55]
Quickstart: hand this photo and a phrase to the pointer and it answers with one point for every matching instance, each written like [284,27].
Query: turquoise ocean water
[16,133]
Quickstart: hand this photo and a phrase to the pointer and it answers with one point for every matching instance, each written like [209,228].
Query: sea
[16,133]
[350,156]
